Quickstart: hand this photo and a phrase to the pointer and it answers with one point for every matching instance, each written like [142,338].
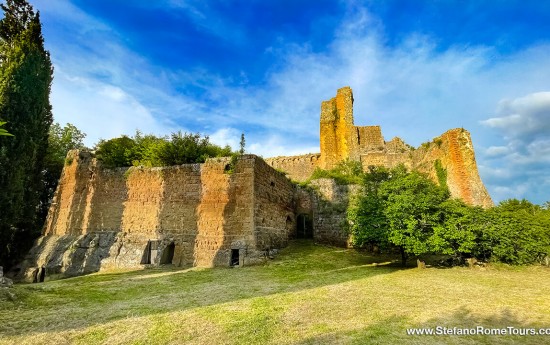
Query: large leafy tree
[515,232]
[367,220]
[412,203]
[25,79]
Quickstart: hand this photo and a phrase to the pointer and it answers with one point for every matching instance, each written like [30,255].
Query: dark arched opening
[304,227]
[168,254]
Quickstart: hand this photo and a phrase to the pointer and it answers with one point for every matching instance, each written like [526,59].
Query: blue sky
[263,67]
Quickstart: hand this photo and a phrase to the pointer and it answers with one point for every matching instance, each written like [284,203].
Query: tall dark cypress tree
[26,75]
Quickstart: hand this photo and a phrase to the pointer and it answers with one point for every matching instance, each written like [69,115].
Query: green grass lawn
[310,294]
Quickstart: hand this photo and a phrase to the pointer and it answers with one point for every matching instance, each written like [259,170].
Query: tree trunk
[403,257]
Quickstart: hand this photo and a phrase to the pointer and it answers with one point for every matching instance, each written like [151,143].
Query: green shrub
[117,152]
[346,172]
[153,151]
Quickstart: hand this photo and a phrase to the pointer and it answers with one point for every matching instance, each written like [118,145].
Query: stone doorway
[235,258]
[304,226]
[168,254]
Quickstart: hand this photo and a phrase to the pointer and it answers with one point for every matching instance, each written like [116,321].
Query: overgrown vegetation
[153,151]
[309,294]
[441,173]
[409,212]
[346,172]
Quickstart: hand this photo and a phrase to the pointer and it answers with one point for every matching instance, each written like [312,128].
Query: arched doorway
[304,227]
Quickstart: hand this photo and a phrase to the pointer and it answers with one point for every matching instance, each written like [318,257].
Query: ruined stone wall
[455,151]
[370,139]
[330,203]
[177,213]
[274,204]
[337,137]
[298,168]
[104,218]
[67,210]
[340,139]
[226,211]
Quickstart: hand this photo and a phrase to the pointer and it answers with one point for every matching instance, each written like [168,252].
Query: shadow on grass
[467,328]
[81,302]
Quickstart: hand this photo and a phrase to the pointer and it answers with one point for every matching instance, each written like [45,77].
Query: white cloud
[523,117]
[101,110]
[497,151]
[412,89]
[226,136]
[521,169]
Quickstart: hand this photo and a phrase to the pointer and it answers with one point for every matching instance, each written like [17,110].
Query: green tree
[365,214]
[242,144]
[25,79]
[151,151]
[411,206]
[63,139]
[117,152]
[515,232]
[455,233]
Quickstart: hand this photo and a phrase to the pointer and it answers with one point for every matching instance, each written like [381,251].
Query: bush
[117,152]
[515,232]
[152,151]
[346,172]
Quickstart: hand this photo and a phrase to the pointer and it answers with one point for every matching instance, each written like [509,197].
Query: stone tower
[338,141]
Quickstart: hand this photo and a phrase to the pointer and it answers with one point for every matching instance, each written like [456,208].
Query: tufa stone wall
[455,151]
[274,208]
[298,168]
[188,215]
[330,203]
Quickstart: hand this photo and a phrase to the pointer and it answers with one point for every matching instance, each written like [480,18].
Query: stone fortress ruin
[224,213]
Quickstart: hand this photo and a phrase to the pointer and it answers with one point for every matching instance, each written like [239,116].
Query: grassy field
[310,294]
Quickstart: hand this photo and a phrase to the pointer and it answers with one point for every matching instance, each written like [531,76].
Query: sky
[260,67]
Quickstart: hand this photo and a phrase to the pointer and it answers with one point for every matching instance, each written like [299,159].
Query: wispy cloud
[410,88]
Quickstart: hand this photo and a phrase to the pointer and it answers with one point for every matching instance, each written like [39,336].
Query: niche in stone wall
[150,253]
[304,226]
[168,254]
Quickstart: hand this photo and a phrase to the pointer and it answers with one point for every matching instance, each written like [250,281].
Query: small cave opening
[168,254]
[39,275]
